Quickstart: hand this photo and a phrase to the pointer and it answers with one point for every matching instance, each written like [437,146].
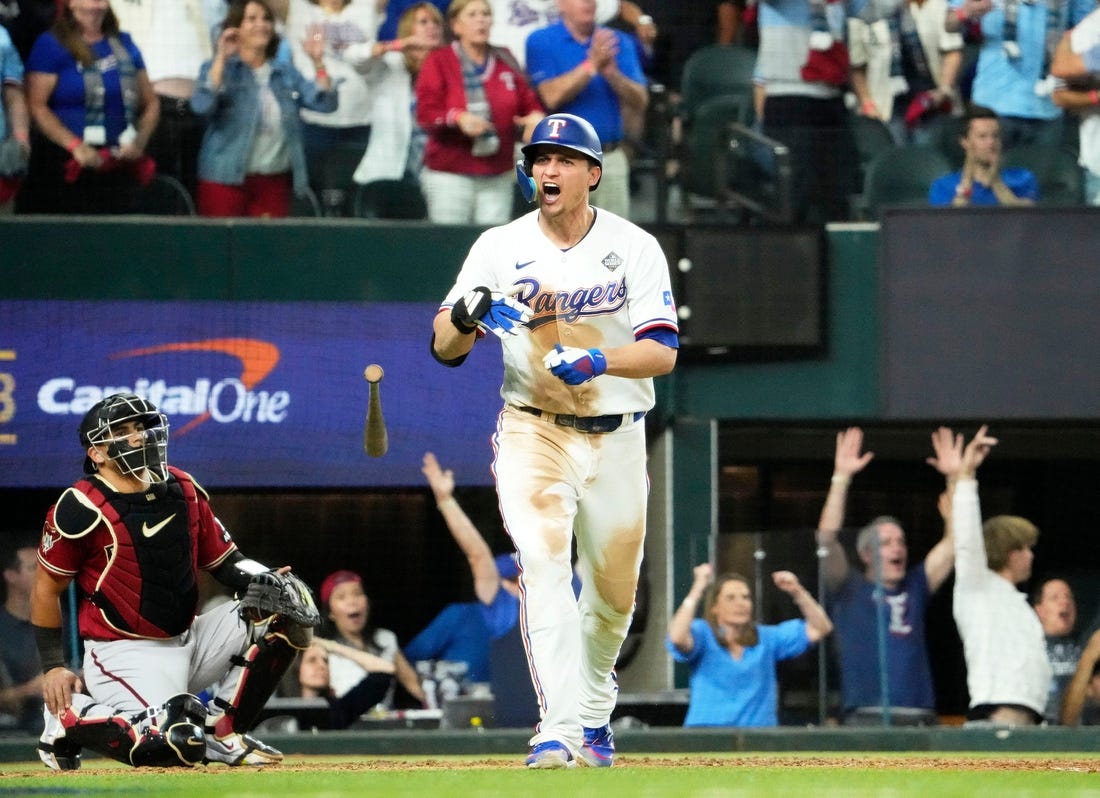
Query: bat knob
[373,373]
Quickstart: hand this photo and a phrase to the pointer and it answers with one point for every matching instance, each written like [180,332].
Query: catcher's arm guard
[283,594]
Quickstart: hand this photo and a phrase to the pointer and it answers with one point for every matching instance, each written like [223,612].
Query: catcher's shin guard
[164,736]
[94,726]
[261,668]
[173,735]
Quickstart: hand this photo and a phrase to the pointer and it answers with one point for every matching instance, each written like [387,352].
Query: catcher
[132,534]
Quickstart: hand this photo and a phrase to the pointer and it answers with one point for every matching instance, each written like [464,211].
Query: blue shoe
[551,754]
[598,750]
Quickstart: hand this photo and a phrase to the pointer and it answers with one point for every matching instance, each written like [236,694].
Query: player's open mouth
[551,189]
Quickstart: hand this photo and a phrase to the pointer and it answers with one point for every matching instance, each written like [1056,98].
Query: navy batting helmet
[568,131]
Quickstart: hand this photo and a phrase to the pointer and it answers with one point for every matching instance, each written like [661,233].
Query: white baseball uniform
[552,479]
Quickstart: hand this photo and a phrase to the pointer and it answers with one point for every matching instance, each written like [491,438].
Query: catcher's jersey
[134,556]
[605,292]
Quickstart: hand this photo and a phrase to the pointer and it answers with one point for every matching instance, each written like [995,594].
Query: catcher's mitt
[285,595]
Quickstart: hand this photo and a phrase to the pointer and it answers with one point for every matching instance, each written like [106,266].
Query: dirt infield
[907,762]
[939,762]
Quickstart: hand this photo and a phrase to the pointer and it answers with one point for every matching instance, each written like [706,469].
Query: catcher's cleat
[236,750]
[54,750]
[550,755]
[598,750]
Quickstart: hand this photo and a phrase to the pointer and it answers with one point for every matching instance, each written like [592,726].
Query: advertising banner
[257,394]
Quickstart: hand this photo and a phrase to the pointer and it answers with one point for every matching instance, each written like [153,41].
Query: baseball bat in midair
[375,439]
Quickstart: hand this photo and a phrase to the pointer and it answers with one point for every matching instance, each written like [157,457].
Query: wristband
[841,479]
[644,19]
[689,601]
[450,501]
[74,142]
[588,67]
[50,652]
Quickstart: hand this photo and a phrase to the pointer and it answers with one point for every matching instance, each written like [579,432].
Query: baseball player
[132,535]
[581,301]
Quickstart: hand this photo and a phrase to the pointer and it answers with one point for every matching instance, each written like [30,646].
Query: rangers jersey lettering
[610,289]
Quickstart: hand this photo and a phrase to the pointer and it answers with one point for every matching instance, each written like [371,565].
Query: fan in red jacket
[475,103]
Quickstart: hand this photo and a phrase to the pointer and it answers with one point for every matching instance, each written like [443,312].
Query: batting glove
[575,366]
[492,311]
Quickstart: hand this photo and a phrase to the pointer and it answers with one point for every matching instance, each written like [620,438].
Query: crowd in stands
[1028,661]
[250,104]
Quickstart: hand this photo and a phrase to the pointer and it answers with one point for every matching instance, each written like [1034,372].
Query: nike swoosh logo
[149,531]
[523,265]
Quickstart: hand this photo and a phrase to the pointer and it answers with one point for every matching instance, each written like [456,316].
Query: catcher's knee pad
[262,666]
[182,743]
[171,734]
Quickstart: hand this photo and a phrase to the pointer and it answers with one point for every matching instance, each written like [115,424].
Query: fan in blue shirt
[732,658]
[982,180]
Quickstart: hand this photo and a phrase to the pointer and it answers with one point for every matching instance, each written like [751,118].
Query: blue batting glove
[492,311]
[505,316]
[575,366]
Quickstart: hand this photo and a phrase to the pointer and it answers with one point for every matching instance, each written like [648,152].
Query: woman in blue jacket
[732,658]
[251,156]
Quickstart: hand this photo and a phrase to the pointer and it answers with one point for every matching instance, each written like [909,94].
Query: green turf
[443,777]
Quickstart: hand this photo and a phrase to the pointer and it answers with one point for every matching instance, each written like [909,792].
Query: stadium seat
[901,177]
[713,71]
[164,196]
[305,205]
[390,199]
[705,141]
[946,131]
[1061,182]
[872,137]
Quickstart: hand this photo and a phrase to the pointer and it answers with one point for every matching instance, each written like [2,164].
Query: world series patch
[612,261]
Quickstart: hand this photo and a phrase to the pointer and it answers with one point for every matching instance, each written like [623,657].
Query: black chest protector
[148,586]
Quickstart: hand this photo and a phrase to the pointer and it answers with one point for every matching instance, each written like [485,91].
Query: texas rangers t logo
[556,126]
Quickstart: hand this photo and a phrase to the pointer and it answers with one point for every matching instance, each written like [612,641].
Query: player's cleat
[240,749]
[54,750]
[551,754]
[598,750]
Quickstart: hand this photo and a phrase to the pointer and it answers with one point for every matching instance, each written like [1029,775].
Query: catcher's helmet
[96,430]
[568,131]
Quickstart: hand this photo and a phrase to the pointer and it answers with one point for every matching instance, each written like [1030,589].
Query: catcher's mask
[102,427]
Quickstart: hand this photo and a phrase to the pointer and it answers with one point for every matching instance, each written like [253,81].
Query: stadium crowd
[267,107]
